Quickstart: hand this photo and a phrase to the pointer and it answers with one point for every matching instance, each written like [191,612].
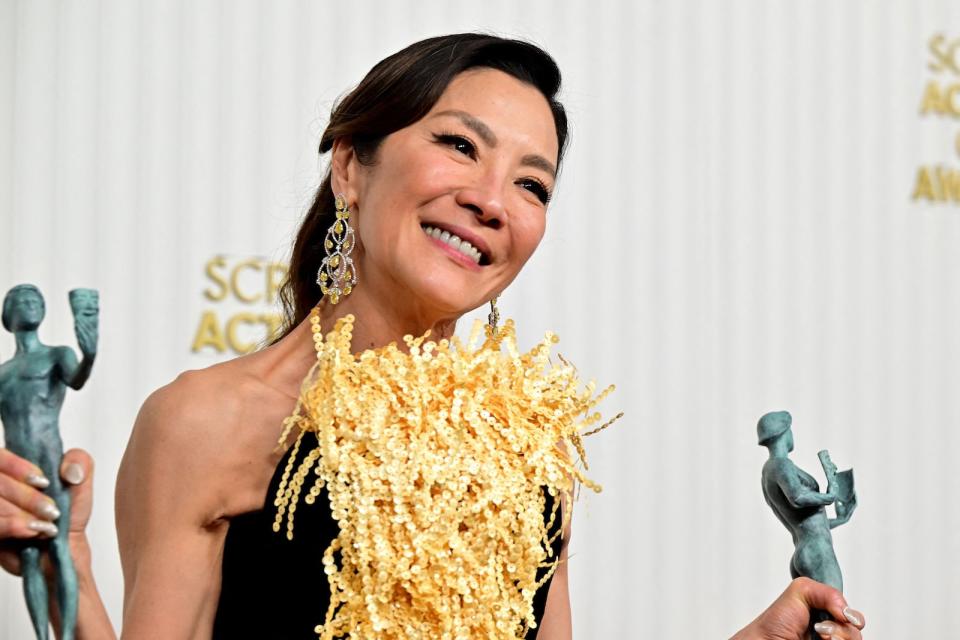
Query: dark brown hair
[400,90]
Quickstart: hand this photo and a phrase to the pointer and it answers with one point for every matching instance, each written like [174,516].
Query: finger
[837,631]
[855,618]
[21,524]
[77,466]
[22,470]
[817,595]
[26,498]
[10,560]
[77,469]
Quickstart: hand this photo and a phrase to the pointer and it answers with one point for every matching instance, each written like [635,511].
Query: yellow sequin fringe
[434,462]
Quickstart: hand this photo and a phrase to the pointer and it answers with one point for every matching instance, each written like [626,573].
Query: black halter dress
[274,588]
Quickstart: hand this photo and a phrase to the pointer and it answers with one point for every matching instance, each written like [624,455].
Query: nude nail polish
[47,528]
[37,480]
[853,616]
[50,511]
[73,473]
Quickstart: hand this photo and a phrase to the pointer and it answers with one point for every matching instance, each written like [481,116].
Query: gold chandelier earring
[337,275]
[493,318]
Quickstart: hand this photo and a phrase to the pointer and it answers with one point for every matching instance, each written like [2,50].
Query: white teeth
[454,241]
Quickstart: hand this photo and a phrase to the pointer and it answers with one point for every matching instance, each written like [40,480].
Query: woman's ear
[344,170]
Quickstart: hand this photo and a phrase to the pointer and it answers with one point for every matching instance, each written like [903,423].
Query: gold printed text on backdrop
[940,183]
[252,282]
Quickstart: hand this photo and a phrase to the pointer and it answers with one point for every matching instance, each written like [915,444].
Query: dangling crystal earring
[493,318]
[337,275]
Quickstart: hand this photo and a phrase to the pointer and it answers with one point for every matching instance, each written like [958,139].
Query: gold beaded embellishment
[434,461]
[337,274]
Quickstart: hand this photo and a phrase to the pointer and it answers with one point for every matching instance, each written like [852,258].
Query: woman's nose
[486,202]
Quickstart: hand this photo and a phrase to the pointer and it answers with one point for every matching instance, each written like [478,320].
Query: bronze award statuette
[33,384]
[795,498]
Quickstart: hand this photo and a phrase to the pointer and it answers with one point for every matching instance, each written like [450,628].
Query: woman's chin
[448,303]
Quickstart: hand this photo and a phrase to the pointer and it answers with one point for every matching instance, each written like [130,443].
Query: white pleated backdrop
[733,233]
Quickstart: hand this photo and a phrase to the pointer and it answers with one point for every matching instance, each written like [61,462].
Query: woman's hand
[26,512]
[23,516]
[788,618]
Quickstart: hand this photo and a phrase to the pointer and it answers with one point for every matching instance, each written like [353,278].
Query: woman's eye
[537,188]
[459,143]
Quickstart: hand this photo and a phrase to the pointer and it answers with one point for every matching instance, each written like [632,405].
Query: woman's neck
[284,364]
[377,324]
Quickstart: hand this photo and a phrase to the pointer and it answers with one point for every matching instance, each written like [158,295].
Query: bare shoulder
[208,437]
[181,440]
[190,413]
[190,404]
[172,493]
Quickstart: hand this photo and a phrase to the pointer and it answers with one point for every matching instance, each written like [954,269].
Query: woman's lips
[483,252]
[459,243]
[455,254]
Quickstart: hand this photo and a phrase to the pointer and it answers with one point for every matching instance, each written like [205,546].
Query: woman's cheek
[440,177]
[529,234]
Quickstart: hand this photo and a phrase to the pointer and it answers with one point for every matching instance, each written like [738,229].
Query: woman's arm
[168,524]
[93,622]
[557,623]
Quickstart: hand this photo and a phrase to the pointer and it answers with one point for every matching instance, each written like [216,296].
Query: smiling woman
[421,490]
[472,113]
[447,189]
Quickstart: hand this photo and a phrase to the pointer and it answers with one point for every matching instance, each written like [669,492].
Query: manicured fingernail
[825,628]
[37,480]
[73,473]
[48,528]
[50,511]
[853,616]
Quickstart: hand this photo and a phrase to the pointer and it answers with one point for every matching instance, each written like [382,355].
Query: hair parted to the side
[400,90]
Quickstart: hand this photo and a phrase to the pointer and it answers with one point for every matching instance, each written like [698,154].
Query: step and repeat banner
[760,210]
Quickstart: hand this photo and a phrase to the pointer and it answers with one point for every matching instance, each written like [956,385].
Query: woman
[442,163]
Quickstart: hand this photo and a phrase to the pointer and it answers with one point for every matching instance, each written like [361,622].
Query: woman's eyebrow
[479,127]
[488,136]
[539,162]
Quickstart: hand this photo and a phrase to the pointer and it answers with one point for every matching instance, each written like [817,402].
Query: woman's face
[479,168]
